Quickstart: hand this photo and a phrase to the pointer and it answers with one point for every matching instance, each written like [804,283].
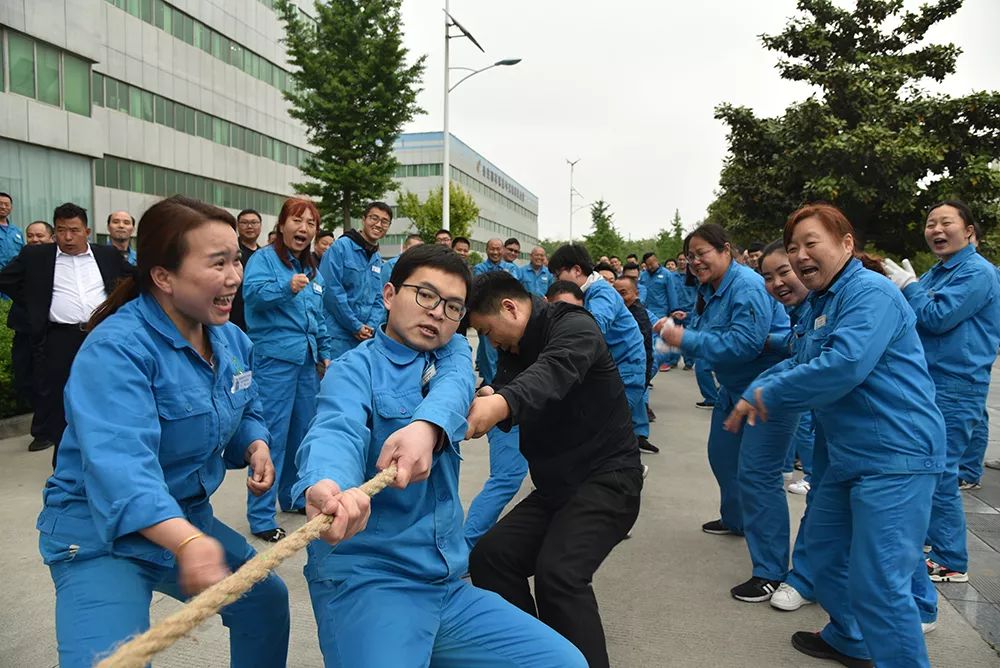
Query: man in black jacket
[557,381]
[60,285]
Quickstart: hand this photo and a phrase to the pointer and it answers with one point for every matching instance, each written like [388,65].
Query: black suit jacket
[28,278]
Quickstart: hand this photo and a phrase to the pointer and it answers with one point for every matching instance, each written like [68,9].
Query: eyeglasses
[249,223]
[429,299]
[691,257]
[378,220]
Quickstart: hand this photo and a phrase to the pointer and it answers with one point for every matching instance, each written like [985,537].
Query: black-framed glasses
[379,220]
[691,257]
[429,299]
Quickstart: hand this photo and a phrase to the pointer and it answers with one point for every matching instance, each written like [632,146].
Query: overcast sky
[628,87]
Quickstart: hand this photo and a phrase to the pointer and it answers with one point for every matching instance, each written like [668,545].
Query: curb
[19,425]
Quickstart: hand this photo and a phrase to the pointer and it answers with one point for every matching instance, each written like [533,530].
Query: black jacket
[567,397]
[28,278]
[638,311]
[237,313]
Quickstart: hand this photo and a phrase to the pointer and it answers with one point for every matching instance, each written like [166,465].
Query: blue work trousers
[970,468]
[866,539]
[802,446]
[963,409]
[802,575]
[507,470]
[288,396]
[637,396]
[486,360]
[387,622]
[706,382]
[747,466]
[102,601]
[341,344]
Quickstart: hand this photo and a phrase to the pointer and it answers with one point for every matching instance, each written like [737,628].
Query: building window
[22,64]
[76,84]
[47,72]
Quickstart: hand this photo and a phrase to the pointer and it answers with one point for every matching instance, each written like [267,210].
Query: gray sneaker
[992,464]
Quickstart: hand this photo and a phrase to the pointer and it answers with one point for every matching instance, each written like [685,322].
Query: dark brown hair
[161,241]
[292,207]
[836,223]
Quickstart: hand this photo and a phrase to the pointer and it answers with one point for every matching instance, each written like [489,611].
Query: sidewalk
[664,594]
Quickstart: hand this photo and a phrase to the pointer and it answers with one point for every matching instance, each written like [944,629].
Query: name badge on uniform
[819,322]
[377,270]
[317,288]
[241,381]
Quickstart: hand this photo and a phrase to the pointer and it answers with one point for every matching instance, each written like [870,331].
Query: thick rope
[137,652]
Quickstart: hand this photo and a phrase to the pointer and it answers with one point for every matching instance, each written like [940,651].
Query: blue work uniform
[860,367]
[535,282]
[288,331]
[957,303]
[156,450]
[11,243]
[387,267]
[352,292]
[624,340]
[486,355]
[129,255]
[971,466]
[392,595]
[739,316]
[661,296]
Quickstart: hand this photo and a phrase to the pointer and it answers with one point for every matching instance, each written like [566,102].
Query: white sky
[629,87]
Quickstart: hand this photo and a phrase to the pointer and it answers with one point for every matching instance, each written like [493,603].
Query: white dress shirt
[77,288]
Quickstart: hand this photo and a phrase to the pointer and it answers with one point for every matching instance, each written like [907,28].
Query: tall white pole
[572,164]
[446,167]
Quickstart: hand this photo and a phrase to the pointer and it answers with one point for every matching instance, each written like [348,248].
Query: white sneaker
[645,471]
[799,487]
[787,475]
[787,598]
[927,627]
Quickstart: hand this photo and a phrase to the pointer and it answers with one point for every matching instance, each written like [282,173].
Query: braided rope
[137,652]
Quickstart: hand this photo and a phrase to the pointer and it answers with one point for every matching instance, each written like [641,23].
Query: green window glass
[76,84]
[132,7]
[97,88]
[159,10]
[159,187]
[147,106]
[111,172]
[99,172]
[188,29]
[180,118]
[202,37]
[217,45]
[22,64]
[170,179]
[124,175]
[147,180]
[134,102]
[48,74]
[190,187]
[178,24]
[168,19]
[136,170]
[146,10]
[159,109]
[111,93]
[236,55]
[168,113]
[189,121]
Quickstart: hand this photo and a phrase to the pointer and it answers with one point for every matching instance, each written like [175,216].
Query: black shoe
[814,645]
[646,446]
[755,590]
[272,535]
[650,415]
[798,465]
[299,511]
[705,404]
[39,444]
[716,527]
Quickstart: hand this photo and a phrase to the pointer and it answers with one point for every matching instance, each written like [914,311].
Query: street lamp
[450,21]
[572,191]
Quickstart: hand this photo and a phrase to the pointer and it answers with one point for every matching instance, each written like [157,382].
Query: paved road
[664,594]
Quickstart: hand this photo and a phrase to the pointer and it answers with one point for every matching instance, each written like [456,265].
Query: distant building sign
[497,179]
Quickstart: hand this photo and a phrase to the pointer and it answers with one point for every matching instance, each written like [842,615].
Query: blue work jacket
[369,393]
[621,331]
[387,267]
[687,295]
[486,266]
[859,366]
[151,430]
[737,319]
[352,289]
[535,282]
[661,296]
[11,243]
[282,325]
[957,303]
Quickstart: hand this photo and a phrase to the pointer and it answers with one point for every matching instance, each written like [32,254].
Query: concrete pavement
[664,594]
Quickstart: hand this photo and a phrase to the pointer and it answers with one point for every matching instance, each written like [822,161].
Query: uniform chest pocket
[185,421]
[815,340]
[395,410]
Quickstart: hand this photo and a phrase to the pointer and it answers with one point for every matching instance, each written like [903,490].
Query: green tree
[425,216]
[605,239]
[669,242]
[870,140]
[353,92]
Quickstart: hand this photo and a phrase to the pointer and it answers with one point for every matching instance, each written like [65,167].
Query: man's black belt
[61,325]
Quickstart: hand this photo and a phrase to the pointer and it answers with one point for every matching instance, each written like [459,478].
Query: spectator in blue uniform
[352,281]
[512,250]
[324,239]
[737,319]
[11,238]
[661,300]
[957,303]
[535,276]
[393,595]
[443,238]
[284,314]
[486,356]
[632,270]
[160,403]
[121,226]
[886,447]
[572,263]
[409,242]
